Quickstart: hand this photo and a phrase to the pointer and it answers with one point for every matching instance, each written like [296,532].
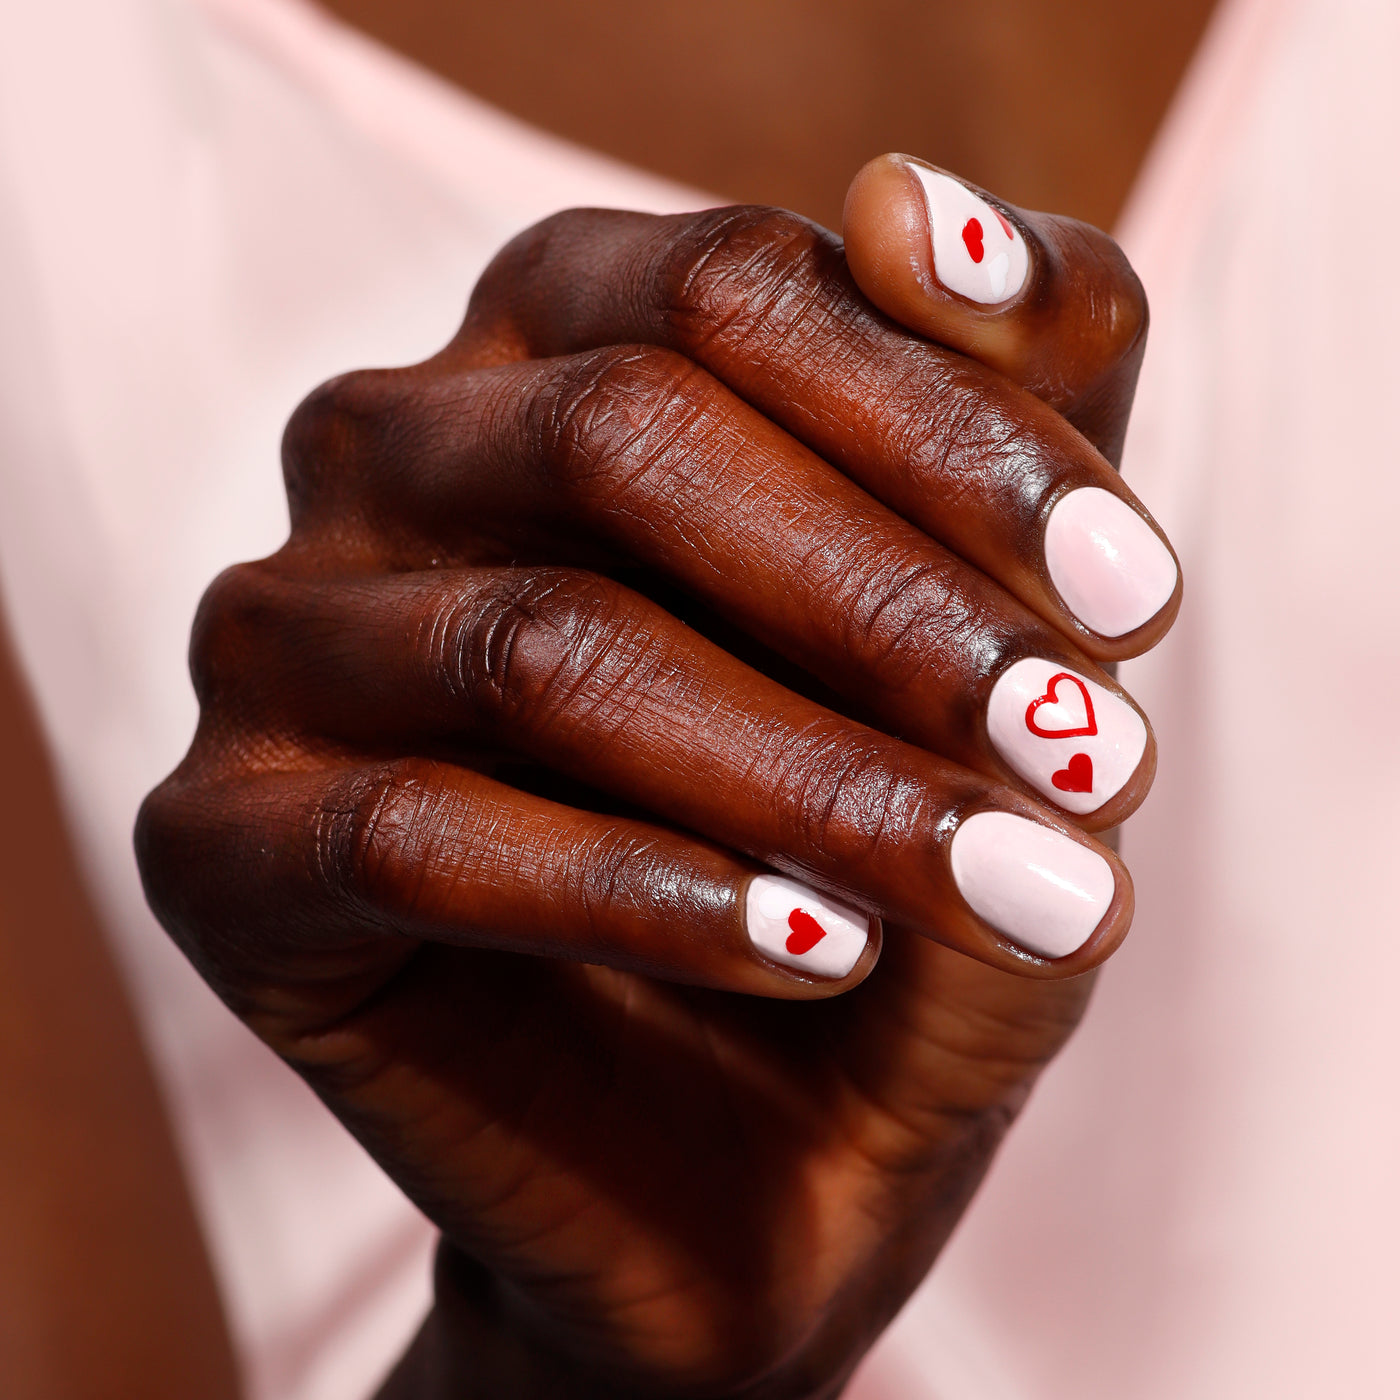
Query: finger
[369,860]
[597,683]
[1048,301]
[643,452]
[765,302]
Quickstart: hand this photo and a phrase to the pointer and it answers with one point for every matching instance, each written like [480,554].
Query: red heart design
[1005,227]
[972,236]
[1050,698]
[806,933]
[1076,776]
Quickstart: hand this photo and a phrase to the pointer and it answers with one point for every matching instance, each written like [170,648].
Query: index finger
[765,302]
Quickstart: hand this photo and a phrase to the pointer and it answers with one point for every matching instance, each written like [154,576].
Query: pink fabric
[206,207]
[1201,1198]
[204,211]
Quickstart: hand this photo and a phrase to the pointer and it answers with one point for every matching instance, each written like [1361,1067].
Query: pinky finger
[369,862]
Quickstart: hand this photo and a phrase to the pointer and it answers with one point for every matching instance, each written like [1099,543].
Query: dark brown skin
[106,1290]
[659,1188]
[768,105]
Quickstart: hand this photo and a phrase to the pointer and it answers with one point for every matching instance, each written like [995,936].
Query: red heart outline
[806,933]
[1049,698]
[1005,227]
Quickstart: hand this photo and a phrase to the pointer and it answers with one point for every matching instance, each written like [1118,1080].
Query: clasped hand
[648,795]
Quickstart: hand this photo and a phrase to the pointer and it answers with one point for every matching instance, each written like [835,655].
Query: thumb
[1050,302]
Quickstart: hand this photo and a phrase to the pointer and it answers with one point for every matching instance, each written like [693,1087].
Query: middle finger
[644,451]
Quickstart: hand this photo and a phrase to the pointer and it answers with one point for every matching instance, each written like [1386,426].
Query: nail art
[794,925]
[1107,562]
[977,252]
[1041,889]
[1072,739]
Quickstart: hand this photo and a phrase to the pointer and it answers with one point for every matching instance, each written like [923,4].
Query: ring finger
[600,684]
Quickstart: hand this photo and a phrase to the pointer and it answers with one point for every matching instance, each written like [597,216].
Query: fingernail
[1035,885]
[1107,562]
[977,252]
[796,926]
[1075,741]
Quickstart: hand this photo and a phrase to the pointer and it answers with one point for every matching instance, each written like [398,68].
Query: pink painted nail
[1107,562]
[1069,737]
[1035,885]
[793,924]
[977,252]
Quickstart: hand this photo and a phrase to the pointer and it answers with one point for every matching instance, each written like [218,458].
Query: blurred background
[779,101]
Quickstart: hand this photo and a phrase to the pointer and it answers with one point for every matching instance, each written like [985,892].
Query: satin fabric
[205,210]
[207,206]
[1200,1199]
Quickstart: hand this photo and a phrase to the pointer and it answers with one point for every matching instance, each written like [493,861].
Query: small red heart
[1005,227]
[806,933]
[972,236]
[1090,725]
[1076,776]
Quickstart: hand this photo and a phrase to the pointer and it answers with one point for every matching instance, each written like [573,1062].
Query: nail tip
[1111,568]
[1038,887]
[799,927]
[1094,735]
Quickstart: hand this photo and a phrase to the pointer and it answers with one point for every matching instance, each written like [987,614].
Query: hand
[682,565]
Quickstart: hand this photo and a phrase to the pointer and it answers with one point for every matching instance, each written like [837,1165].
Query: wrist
[475,1346]
[472,1346]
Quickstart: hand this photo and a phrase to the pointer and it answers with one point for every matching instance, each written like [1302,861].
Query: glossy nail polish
[1070,738]
[795,925]
[1043,890]
[977,252]
[1107,562]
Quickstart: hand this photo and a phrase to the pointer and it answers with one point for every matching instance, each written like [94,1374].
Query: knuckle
[1128,316]
[736,270]
[535,645]
[1117,311]
[158,826]
[899,614]
[615,415]
[603,874]
[236,611]
[504,320]
[513,272]
[519,260]
[338,432]
[182,827]
[978,447]
[364,835]
[844,797]
[1114,297]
